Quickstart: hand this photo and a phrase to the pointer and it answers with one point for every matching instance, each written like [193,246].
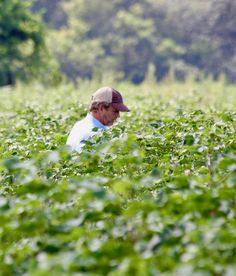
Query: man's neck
[96,116]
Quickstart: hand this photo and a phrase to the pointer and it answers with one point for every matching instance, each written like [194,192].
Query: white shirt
[83,130]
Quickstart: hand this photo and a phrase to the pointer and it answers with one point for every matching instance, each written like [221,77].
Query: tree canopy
[21,41]
[124,37]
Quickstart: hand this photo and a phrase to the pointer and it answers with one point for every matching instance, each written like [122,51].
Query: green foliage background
[154,195]
[119,38]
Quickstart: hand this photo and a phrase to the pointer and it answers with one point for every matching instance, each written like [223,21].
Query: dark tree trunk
[10,80]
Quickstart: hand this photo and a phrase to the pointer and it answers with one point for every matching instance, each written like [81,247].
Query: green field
[155,195]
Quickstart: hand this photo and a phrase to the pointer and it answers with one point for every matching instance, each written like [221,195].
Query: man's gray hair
[95,105]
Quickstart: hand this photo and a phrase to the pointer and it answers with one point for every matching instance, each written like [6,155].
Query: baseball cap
[110,95]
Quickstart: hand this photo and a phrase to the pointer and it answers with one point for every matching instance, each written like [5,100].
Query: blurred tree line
[131,40]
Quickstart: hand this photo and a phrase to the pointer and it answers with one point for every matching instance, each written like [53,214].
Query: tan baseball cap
[110,95]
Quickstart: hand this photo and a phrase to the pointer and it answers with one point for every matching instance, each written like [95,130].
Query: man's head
[106,105]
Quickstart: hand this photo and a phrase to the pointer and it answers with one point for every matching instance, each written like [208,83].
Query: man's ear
[100,107]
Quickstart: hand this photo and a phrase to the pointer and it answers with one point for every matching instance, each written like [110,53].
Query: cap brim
[121,107]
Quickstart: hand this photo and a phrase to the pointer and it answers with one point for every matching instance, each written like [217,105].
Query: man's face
[109,115]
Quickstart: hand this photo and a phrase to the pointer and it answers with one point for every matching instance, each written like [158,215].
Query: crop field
[154,195]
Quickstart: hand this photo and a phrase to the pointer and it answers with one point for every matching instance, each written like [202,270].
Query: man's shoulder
[85,123]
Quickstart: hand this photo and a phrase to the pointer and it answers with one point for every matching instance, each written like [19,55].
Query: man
[105,108]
